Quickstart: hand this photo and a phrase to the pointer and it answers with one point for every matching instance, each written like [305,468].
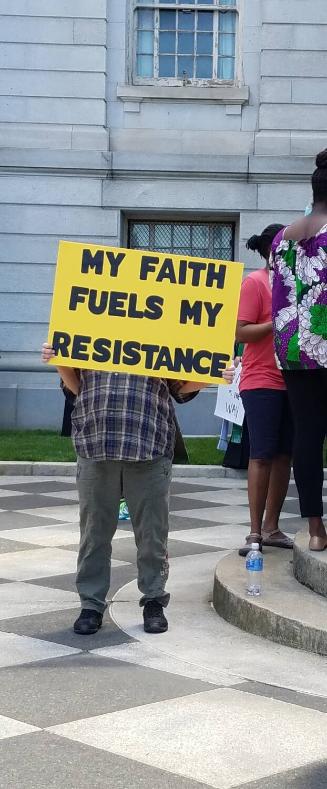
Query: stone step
[286,612]
[309,567]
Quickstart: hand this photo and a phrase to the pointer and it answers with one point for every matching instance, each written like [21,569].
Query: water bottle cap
[255,546]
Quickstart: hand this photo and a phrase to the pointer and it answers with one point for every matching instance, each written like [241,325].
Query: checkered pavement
[79,712]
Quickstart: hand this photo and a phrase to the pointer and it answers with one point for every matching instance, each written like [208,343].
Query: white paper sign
[229,405]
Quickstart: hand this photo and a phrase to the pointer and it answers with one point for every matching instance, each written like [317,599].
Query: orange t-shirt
[259,370]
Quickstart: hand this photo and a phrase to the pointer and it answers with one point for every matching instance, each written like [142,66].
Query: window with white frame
[192,41]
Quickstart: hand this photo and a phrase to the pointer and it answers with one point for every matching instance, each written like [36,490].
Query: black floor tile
[11,546]
[40,487]
[32,501]
[190,504]
[313,776]
[284,694]
[43,761]
[57,627]
[18,520]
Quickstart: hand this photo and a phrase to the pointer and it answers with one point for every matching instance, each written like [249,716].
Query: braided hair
[262,244]
[319,178]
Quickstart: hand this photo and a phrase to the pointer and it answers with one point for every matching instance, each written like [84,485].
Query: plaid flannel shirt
[125,417]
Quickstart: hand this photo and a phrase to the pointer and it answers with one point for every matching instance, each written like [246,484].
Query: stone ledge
[310,568]
[215,94]
[286,612]
[35,469]
[16,467]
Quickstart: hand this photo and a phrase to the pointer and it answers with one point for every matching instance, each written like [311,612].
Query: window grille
[197,239]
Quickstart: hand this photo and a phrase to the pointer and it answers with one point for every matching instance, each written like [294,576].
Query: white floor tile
[231,536]
[6,493]
[214,482]
[215,644]
[49,536]
[37,563]
[40,563]
[232,497]
[71,495]
[25,479]
[16,650]
[228,722]
[235,514]
[143,655]
[11,728]
[20,599]
[217,514]
[66,512]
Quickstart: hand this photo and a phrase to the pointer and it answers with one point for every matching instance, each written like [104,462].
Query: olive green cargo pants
[145,486]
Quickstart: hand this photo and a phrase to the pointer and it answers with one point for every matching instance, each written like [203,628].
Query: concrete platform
[286,612]
[309,568]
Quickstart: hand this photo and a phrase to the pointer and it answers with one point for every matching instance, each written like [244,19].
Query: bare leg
[278,487]
[258,486]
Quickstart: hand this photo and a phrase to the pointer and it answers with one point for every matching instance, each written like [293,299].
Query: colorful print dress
[299,301]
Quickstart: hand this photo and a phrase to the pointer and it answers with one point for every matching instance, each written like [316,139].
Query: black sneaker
[154,618]
[88,622]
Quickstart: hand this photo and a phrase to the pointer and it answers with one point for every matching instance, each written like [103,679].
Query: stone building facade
[189,125]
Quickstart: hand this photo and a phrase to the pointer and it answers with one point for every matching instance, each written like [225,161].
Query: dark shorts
[269,423]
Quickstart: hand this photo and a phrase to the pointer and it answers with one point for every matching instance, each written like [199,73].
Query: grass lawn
[46,445]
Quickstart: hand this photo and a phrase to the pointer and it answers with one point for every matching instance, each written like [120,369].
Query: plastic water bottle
[254,569]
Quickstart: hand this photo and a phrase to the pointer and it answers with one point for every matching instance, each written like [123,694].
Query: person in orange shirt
[265,401]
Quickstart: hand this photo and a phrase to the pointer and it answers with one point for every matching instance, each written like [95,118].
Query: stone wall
[82,149]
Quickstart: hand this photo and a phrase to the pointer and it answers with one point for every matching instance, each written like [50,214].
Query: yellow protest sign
[147,313]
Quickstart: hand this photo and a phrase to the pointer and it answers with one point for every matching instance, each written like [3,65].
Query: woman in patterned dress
[299,305]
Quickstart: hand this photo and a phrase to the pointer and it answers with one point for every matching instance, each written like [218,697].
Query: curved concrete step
[309,568]
[286,612]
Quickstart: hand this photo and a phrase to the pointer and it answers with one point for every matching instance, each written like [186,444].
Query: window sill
[217,94]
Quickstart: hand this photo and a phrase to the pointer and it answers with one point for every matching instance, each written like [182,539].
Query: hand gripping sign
[124,310]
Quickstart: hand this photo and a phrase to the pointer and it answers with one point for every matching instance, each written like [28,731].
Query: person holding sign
[142,327]
[265,401]
[124,436]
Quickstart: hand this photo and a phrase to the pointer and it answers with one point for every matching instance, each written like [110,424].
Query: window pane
[162,236]
[140,236]
[200,237]
[144,65]
[182,236]
[204,68]
[226,68]
[167,20]
[205,20]
[167,66]
[145,19]
[227,46]
[227,22]
[205,44]
[145,42]
[189,2]
[167,42]
[223,242]
[185,43]
[185,67]
[186,20]
[227,2]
